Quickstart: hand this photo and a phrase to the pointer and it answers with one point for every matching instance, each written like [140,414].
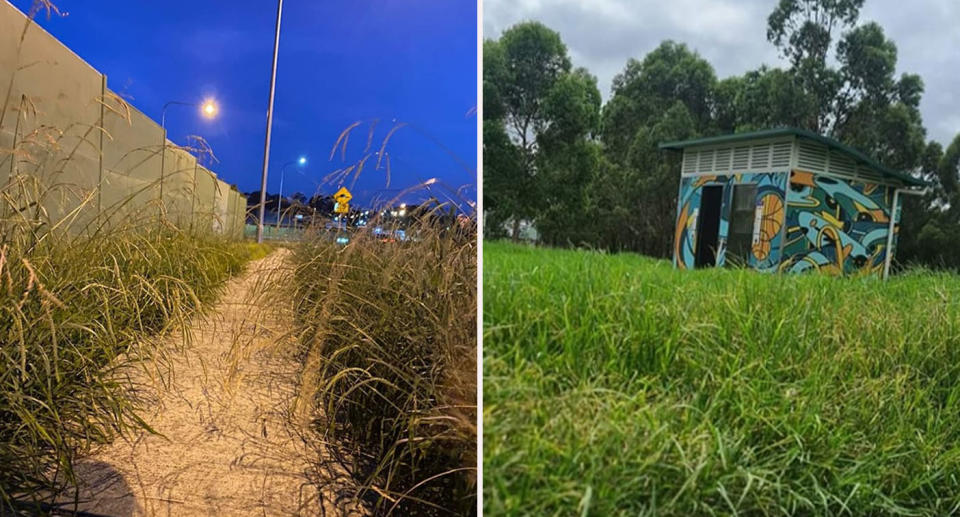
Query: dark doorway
[708,226]
[742,216]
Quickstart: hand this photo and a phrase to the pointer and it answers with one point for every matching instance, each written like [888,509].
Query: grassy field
[615,385]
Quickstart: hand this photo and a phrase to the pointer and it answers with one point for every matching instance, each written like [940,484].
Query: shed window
[740,236]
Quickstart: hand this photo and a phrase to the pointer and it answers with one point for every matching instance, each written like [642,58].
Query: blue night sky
[341,61]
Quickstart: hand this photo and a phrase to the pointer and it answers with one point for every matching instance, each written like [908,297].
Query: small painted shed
[786,200]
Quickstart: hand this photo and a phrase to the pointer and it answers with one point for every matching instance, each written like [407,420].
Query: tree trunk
[516,230]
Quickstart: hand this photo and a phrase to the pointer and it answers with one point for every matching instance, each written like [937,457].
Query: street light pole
[266,146]
[163,115]
[283,170]
[280,197]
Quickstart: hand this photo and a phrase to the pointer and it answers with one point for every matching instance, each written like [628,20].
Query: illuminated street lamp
[301,162]
[208,109]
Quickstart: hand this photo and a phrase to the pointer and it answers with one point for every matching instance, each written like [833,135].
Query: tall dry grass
[74,314]
[78,305]
[81,291]
[388,335]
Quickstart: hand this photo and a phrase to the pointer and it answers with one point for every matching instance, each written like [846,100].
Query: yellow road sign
[343,195]
[341,208]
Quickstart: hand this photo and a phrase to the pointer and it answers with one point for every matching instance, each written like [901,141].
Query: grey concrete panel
[6,155]
[127,201]
[221,207]
[204,194]
[181,182]
[49,125]
[133,144]
[55,93]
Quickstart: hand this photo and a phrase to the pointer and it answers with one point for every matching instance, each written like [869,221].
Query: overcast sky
[731,34]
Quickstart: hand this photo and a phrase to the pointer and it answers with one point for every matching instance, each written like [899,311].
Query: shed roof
[800,133]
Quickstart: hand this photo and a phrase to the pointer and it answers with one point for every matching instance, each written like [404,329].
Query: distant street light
[266,145]
[208,108]
[301,162]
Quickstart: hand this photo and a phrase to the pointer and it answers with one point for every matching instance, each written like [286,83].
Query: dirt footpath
[227,447]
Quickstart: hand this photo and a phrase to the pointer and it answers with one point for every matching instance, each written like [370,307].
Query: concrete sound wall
[75,154]
[180,169]
[205,198]
[239,214]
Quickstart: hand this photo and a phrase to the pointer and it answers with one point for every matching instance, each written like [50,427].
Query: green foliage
[877,113]
[803,32]
[542,116]
[526,62]
[919,211]
[564,217]
[495,79]
[636,201]
[573,108]
[540,166]
[664,97]
[508,187]
[760,99]
[388,332]
[802,29]
[948,172]
[74,312]
[644,89]
[616,385]
[868,60]
[861,102]
[893,134]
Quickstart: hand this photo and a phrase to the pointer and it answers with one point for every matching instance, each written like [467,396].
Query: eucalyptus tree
[541,113]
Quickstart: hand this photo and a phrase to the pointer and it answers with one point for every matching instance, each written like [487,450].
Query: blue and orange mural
[836,226]
[765,249]
[804,222]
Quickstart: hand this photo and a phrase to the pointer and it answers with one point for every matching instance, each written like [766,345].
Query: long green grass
[616,385]
[388,331]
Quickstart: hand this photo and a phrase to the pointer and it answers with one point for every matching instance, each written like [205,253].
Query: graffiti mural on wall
[835,226]
[765,248]
[688,210]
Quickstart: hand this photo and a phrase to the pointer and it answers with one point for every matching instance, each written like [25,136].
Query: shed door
[743,213]
[708,226]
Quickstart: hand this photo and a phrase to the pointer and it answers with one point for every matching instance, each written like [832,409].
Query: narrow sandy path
[227,447]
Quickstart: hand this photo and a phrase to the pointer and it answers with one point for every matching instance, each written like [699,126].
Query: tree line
[588,173]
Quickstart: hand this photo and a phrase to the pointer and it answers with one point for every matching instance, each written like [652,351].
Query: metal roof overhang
[906,179]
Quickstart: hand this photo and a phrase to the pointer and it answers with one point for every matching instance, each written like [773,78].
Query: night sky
[341,61]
